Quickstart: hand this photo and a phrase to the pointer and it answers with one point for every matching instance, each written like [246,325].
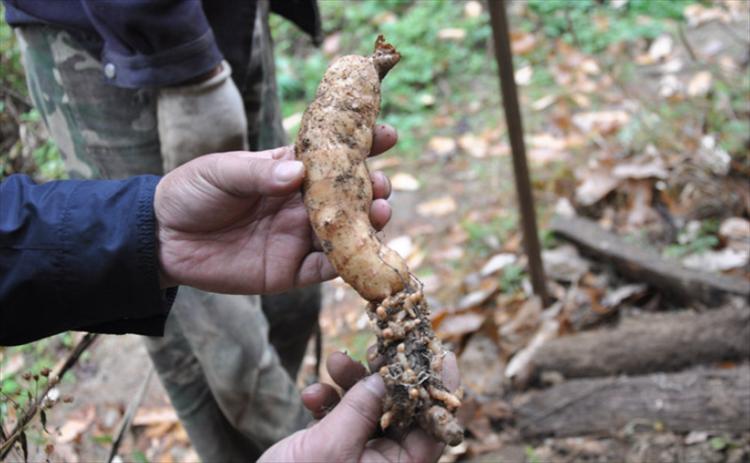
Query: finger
[319,398]
[355,417]
[380,213]
[383,138]
[282,152]
[344,370]
[381,185]
[242,175]
[314,268]
[450,375]
[375,361]
[421,446]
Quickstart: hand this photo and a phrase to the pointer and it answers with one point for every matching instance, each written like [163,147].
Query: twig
[54,379]
[686,43]
[128,418]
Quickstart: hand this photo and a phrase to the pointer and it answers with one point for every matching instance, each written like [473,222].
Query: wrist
[202,77]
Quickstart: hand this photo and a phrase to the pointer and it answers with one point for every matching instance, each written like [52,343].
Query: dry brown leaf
[497,263]
[543,102]
[522,42]
[76,425]
[459,324]
[736,231]
[603,122]
[661,47]
[153,415]
[597,184]
[717,261]
[442,146]
[437,207]
[700,84]
[402,181]
[641,167]
[697,14]
[563,263]
[640,198]
[476,147]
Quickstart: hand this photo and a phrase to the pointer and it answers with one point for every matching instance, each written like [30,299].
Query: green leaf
[718,443]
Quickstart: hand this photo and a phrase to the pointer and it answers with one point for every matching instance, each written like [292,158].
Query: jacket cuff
[168,67]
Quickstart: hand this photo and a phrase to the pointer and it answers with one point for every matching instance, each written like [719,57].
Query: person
[141,87]
[77,254]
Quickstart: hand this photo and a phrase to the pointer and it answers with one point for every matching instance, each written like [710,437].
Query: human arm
[89,254]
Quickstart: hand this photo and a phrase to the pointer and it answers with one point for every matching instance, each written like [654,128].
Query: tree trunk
[701,399]
[651,343]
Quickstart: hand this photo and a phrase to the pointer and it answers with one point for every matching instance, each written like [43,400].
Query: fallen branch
[127,419]
[700,399]
[651,343]
[646,265]
[18,432]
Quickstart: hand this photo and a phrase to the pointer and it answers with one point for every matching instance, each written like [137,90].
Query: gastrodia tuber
[334,141]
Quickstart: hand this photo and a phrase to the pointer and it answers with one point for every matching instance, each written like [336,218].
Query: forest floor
[645,135]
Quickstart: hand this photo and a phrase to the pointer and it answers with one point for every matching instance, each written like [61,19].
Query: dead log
[650,343]
[642,263]
[702,399]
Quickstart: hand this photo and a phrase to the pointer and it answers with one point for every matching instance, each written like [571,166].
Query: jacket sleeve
[79,255]
[153,43]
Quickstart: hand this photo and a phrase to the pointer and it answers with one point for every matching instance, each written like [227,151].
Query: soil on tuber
[334,141]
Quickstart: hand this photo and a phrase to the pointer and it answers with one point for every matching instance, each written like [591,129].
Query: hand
[346,433]
[235,222]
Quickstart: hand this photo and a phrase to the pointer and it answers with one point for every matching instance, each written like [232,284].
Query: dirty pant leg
[211,434]
[249,385]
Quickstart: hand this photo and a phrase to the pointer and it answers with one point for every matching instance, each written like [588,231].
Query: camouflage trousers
[227,362]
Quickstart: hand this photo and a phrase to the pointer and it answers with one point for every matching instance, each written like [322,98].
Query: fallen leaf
[700,84]
[426,99]
[640,198]
[442,146]
[717,261]
[736,231]
[670,87]
[697,14]
[602,122]
[640,169]
[76,425]
[476,147]
[149,416]
[437,207]
[543,102]
[459,324]
[404,182]
[563,263]
[523,75]
[452,33]
[713,157]
[522,42]
[478,297]
[597,184]
[616,296]
[496,263]
[661,47]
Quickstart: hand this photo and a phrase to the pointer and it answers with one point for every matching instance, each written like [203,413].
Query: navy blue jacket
[154,43]
[79,255]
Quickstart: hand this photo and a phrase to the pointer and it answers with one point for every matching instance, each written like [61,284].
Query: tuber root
[334,141]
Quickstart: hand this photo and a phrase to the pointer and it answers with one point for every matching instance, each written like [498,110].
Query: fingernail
[375,384]
[287,171]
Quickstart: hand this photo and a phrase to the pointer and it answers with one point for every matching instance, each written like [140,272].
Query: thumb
[356,417]
[242,175]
